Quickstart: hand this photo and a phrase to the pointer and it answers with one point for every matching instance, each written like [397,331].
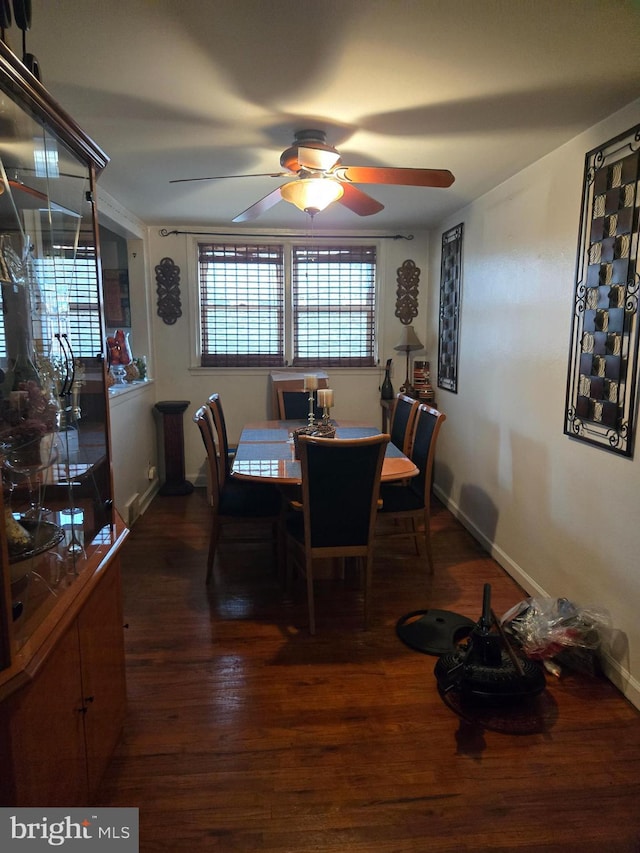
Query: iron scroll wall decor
[168,289]
[603,360]
[449,316]
[407,292]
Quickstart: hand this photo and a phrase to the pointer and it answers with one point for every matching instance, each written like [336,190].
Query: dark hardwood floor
[244,733]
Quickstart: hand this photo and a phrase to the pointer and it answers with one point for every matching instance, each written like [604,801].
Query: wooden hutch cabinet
[62,676]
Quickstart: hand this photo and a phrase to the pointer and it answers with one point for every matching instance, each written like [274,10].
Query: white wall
[244,393]
[560,515]
[131,420]
[133,445]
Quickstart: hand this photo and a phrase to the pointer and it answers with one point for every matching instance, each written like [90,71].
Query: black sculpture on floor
[486,667]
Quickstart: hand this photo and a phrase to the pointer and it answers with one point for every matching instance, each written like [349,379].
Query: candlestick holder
[325,429]
[311,418]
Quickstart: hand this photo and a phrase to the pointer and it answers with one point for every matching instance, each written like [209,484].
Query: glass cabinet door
[54,460]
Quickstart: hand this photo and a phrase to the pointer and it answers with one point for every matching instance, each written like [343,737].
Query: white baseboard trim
[148,495]
[615,671]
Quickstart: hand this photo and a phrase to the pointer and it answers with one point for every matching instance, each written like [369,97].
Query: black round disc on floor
[434,632]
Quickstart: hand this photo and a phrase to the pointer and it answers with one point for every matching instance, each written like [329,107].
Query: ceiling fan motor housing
[314,139]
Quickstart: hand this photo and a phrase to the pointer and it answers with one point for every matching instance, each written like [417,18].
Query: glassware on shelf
[29,462]
[141,364]
[119,355]
[72,522]
[119,373]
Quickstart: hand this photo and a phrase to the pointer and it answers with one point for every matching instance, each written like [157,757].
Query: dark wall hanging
[407,292]
[449,317]
[603,360]
[168,289]
[117,306]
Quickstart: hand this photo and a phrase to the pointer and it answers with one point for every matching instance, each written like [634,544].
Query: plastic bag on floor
[557,628]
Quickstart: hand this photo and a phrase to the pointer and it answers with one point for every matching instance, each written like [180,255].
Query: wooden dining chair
[225,453]
[340,486]
[410,502]
[294,405]
[236,501]
[403,417]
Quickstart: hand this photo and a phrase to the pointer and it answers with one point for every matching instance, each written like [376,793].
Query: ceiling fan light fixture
[312,195]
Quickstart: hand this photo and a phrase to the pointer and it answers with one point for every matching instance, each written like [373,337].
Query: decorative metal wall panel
[603,359]
[168,290]
[407,292]
[450,280]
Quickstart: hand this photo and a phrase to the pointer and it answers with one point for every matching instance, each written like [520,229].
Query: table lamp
[407,343]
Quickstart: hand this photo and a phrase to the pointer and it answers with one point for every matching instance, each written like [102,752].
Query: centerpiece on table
[324,429]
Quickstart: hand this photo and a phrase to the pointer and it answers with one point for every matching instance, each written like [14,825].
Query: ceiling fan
[322,179]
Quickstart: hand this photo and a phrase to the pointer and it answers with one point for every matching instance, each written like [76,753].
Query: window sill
[197,370]
[118,392]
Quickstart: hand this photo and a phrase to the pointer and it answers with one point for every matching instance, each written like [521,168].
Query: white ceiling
[190,88]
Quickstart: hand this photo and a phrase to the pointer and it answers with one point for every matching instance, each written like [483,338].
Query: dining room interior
[468,300]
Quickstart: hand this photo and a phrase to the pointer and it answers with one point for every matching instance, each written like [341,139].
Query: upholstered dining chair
[294,405]
[340,486]
[410,502]
[403,416]
[237,501]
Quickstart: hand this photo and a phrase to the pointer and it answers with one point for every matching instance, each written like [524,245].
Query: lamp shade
[409,340]
[312,194]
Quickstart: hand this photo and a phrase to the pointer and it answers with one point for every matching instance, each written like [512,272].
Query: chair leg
[310,600]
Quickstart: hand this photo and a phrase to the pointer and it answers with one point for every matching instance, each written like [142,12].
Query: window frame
[288,243]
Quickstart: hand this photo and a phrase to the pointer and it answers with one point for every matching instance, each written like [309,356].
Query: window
[334,305]
[68,285]
[251,295]
[241,305]
[64,297]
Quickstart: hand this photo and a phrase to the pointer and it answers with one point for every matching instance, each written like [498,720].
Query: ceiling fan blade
[222,177]
[317,159]
[259,207]
[399,177]
[359,202]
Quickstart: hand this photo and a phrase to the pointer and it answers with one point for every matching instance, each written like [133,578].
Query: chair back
[224,463]
[423,448]
[204,420]
[294,405]
[403,418]
[340,489]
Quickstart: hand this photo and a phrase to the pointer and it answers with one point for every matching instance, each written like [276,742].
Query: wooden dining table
[266,452]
